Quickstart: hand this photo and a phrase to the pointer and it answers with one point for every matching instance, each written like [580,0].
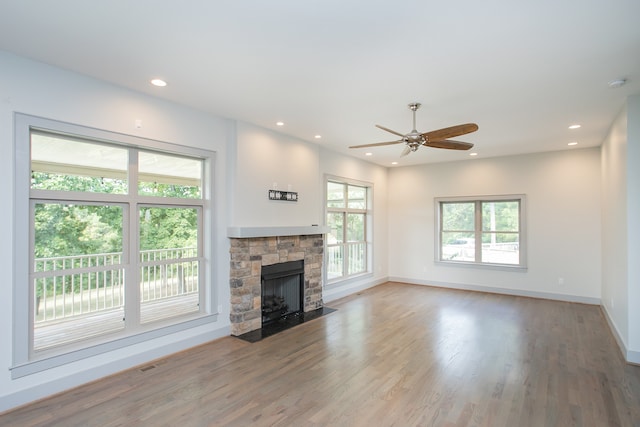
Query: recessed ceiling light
[368,154]
[473,154]
[158,82]
[572,143]
[279,123]
[394,163]
[318,136]
[576,126]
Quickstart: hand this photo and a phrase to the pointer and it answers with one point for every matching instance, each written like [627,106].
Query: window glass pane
[458,216]
[71,164]
[357,258]
[357,197]
[335,220]
[334,262]
[458,246]
[169,262]
[78,279]
[335,195]
[65,229]
[165,175]
[501,248]
[355,227]
[500,216]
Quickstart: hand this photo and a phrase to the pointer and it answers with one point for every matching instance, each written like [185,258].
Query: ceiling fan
[436,138]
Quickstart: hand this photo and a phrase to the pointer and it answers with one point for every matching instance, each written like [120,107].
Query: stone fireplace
[255,247]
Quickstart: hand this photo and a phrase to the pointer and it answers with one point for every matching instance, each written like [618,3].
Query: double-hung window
[481,231]
[348,214]
[117,231]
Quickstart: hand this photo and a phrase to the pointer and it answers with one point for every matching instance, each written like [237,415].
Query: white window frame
[478,200]
[368,212]
[25,361]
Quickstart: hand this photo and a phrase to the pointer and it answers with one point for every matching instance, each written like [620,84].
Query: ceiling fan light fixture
[614,84]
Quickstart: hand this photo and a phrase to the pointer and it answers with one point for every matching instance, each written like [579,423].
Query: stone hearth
[248,255]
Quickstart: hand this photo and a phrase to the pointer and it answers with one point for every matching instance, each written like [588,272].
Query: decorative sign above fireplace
[289,196]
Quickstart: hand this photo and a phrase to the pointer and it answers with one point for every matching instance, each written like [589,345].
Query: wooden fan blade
[376,144]
[391,131]
[450,132]
[450,145]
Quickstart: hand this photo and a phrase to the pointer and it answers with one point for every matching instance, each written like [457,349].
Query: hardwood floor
[395,355]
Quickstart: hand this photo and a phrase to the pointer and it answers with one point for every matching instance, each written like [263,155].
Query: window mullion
[131,247]
[345,247]
[478,231]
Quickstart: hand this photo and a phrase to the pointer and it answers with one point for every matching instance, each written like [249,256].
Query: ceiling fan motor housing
[414,138]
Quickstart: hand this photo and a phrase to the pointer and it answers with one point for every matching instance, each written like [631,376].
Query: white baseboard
[633,357]
[629,356]
[332,293]
[504,291]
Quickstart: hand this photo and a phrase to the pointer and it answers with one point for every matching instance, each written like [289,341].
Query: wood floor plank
[394,355]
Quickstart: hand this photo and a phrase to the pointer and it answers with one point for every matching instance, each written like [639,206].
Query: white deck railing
[73,286]
[356,259]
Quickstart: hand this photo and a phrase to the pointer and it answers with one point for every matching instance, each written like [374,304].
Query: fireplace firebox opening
[282,290]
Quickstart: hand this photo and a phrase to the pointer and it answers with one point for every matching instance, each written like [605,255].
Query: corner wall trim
[629,356]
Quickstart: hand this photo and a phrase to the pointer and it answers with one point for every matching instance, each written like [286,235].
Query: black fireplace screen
[282,290]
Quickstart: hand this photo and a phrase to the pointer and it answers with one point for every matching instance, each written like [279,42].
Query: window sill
[500,267]
[48,360]
[336,283]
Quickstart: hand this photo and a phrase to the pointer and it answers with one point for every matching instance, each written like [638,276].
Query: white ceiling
[523,70]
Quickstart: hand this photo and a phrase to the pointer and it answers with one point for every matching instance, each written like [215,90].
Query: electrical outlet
[560,280]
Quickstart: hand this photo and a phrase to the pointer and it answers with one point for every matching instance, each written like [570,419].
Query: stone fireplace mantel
[251,232]
[251,248]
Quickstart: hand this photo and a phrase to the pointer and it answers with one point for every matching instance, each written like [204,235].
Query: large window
[487,231]
[349,216]
[116,230]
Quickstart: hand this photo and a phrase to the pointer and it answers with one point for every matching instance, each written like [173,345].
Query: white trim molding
[251,232]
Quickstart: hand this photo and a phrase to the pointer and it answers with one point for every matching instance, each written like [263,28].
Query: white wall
[264,157]
[614,228]
[563,222]
[633,226]
[36,89]
[621,228]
